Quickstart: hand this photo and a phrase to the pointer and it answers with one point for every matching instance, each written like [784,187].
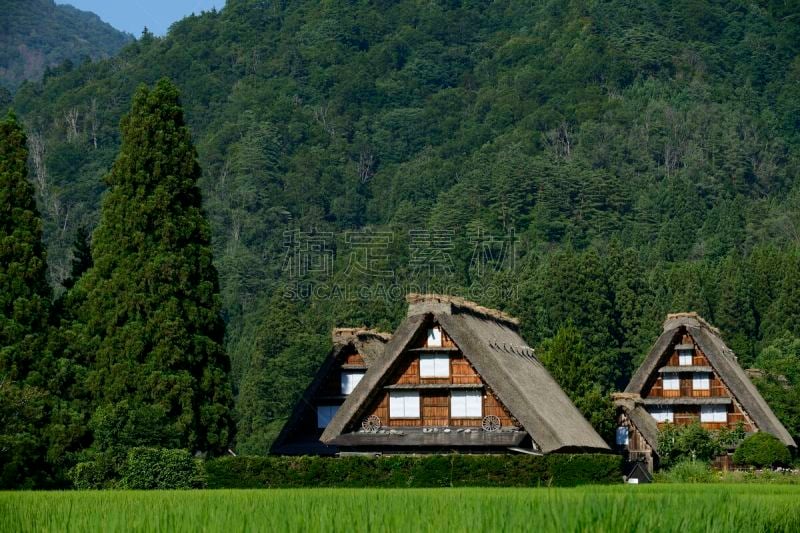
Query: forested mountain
[642,157]
[38,34]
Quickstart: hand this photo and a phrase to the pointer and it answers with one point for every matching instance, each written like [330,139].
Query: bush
[413,471]
[88,475]
[690,442]
[762,450]
[687,471]
[159,468]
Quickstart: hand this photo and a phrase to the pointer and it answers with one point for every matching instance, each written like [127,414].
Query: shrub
[691,442]
[88,475]
[413,471]
[687,471]
[762,450]
[159,468]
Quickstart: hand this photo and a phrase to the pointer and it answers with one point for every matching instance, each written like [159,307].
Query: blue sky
[133,15]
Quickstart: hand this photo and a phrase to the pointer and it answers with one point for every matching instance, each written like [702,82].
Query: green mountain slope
[38,34]
[644,155]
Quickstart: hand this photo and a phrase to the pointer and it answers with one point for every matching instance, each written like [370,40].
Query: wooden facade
[686,413]
[436,392]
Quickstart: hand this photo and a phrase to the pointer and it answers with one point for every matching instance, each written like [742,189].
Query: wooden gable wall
[435,402]
[688,414]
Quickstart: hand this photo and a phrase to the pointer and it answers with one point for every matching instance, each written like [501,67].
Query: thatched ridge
[422,303]
[687,316]
[344,335]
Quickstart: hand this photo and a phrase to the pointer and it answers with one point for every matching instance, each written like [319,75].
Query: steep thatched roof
[724,362]
[367,342]
[489,340]
[645,424]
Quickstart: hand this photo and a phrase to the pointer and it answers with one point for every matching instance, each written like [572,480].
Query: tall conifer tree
[24,292]
[158,371]
[24,308]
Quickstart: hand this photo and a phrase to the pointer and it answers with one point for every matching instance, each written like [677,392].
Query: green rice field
[651,508]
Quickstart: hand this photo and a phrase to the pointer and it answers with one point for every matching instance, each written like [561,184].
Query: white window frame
[685,357]
[701,381]
[466,403]
[671,380]
[662,413]
[434,365]
[349,379]
[404,404]
[714,413]
[434,337]
[325,414]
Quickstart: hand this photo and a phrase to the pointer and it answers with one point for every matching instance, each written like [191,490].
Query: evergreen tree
[24,308]
[81,257]
[577,371]
[734,314]
[24,292]
[151,316]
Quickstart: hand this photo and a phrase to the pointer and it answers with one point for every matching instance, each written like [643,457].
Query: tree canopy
[603,163]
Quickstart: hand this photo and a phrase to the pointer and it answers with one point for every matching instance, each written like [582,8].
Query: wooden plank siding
[435,404]
[354,358]
[684,415]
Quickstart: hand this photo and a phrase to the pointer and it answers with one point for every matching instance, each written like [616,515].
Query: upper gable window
[435,337]
[671,381]
[434,365]
[349,380]
[685,357]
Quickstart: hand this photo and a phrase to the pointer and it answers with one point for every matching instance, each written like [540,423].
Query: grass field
[684,508]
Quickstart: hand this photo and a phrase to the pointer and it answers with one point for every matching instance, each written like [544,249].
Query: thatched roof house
[458,376]
[691,375]
[354,350]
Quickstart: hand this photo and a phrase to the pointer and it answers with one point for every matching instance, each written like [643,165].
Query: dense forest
[586,167]
[38,35]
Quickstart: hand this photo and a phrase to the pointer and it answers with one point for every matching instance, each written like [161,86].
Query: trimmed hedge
[413,471]
[160,468]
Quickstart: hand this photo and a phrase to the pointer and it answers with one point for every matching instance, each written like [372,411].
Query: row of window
[700,381]
[708,413]
[406,405]
[463,404]
[430,366]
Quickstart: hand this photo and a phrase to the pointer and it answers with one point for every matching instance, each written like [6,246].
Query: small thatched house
[458,377]
[354,350]
[689,375]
